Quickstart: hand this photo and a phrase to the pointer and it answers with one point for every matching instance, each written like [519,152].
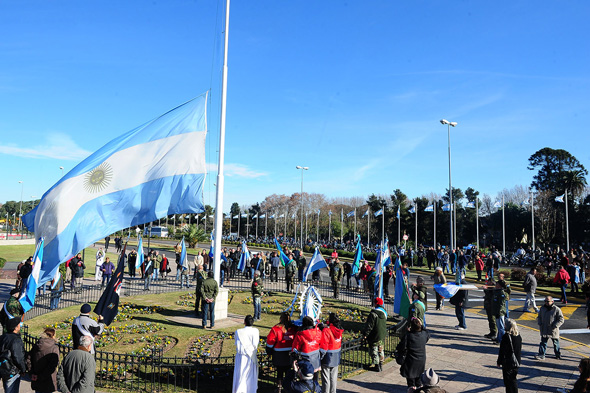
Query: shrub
[541,278]
[506,273]
[2,262]
[518,274]
[470,266]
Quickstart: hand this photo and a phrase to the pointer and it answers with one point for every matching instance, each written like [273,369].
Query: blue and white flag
[560,198]
[140,254]
[378,213]
[470,205]
[386,254]
[412,210]
[449,290]
[525,203]
[236,216]
[282,216]
[446,207]
[398,212]
[211,253]
[55,279]
[366,214]
[262,216]
[244,215]
[358,256]
[294,215]
[378,286]
[183,260]
[27,297]
[272,216]
[255,216]
[498,204]
[244,258]
[317,262]
[330,213]
[351,214]
[284,258]
[116,187]
[429,208]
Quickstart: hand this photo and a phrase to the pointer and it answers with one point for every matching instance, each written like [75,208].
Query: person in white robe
[246,365]
[99,262]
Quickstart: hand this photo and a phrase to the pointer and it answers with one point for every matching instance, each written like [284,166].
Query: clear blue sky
[354,90]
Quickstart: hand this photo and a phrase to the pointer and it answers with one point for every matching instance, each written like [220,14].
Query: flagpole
[285,231]
[434,206]
[341,225]
[455,224]
[399,227]
[247,224]
[329,227]
[477,221]
[239,219]
[355,222]
[306,233]
[257,214]
[567,225]
[265,225]
[503,229]
[383,223]
[416,234]
[533,218]
[220,176]
[295,226]
[369,227]
[317,235]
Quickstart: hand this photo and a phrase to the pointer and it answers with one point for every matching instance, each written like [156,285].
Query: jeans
[55,296]
[156,274]
[105,278]
[12,385]
[222,277]
[507,310]
[329,379]
[147,282]
[543,346]
[183,279]
[500,325]
[208,313]
[529,302]
[178,269]
[460,314]
[563,295]
[257,307]
[445,266]
[274,272]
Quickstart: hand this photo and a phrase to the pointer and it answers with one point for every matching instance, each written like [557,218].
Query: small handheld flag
[317,262]
[27,298]
[140,254]
[183,260]
[284,259]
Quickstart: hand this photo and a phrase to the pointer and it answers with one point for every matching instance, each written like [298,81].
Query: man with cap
[12,308]
[11,344]
[375,332]
[430,381]
[300,379]
[83,325]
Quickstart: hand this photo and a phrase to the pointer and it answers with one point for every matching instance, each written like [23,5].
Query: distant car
[156,231]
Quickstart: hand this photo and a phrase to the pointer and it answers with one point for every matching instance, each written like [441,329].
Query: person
[12,350]
[43,362]
[499,308]
[148,273]
[99,262]
[209,291]
[165,268]
[177,252]
[77,266]
[84,326]
[413,344]
[279,343]
[306,344]
[550,318]
[78,369]
[57,287]
[107,240]
[488,302]
[23,270]
[301,262]
[417,308]
[290,273]
[574,271]
[257,289]
[107,270]
[275,262]
[530,287]
[479,265]
[511,344]
[132,260]
[387,274]
[11,309]
[459,300]
[583,382]
[184,276]
[419,286]
[562,278]
[439,278]
[336,273]
[301,378]
[430,381]
[375,332]
[201,277]
[347,268]
[330,348]
[246,364]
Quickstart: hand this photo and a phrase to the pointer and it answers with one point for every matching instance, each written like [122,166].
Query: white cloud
[57,146]
[236,170]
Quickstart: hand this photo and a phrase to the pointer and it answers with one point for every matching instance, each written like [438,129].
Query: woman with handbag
[413,344]
[509,356]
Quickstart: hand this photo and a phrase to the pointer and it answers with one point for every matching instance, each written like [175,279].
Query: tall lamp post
[303,168]
[450,124]
[62,171]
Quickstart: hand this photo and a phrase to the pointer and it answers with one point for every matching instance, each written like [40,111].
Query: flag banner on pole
[109,191]
[236,216]
[284,259]
[378,212]
[272,216]
[317,262]
[446,207]
[282,216]
[470,205]
[560,198]
[358,257]
[183,260]
[55,279]
[262,216]
[525,202]
[244,258]
[244,215]
[318,212]
[498,204]
[429,208]
[140,254]
[108,304]
[294,215]
[449,290]
[27,297]
[351,214]
[255,216]
[412,210]
[211,246]
[398,212]
[386,254]
[330,212]
[378,269]
[366,214]
[401,301]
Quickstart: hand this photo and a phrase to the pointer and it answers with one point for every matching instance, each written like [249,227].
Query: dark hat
[85,309]
[12,323]
[429,378]
[14,291]
[306,369]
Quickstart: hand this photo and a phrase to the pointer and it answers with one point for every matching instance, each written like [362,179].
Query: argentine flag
[284,259]
[152,171]
[317,262]
[244,258]
[560,198]
[378,212]
[386,254]
[471,205]
[398,212]
[351,213]
[358,256]
[27,297]
[183,261]
[412,210]
[498,204]
[446,207]
[366,214]
[429,208]
[140,254]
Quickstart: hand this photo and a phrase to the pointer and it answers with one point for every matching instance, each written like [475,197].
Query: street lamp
[62,171]
[22,185]
[450,124]
[303,168]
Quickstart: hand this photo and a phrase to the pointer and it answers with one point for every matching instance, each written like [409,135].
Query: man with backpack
[12,356]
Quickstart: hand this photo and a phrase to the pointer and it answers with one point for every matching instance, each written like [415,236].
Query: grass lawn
[16,253]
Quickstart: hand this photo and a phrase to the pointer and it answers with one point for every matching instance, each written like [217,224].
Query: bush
[507,274]
[470,266]
[518,274]
[540,269]
[2,262]
[542,278]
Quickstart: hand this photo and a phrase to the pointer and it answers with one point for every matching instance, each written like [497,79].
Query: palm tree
[194,235]
[574,181]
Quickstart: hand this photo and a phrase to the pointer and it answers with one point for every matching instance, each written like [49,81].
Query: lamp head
[453,123]
[298,167]
[305,167]
[445,121]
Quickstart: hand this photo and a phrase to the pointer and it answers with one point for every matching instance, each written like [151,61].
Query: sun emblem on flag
[97,179]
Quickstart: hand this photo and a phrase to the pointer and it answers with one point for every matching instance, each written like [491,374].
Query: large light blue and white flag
[351,213]
[446,207]
[378,213]
[429,208]
[398,212]
[117,187]
[183,260]
[140,254]
[412,210]
[244,258]
[211,253]
[498,204]
[449,290]
[317,262]
[27,297]
[560,198]
[470,205]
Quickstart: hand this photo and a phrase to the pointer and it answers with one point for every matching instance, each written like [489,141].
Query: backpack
[6,366]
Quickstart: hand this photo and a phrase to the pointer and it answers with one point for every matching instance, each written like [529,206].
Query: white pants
[529,301]
[329,379]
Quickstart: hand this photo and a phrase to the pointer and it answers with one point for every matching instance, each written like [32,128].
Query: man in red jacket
[307,344]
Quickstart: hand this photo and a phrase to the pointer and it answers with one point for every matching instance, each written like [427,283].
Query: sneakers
[459,327]
[558,356]
[539,357]
[490,335]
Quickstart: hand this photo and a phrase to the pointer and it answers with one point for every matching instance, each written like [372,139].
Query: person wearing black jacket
[11,341]
[511,344]
[459,300]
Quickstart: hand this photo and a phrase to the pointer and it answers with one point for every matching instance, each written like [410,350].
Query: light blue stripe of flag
[378,212]
[358,257]
[429,208]
[560,198]
[27,299]
[244,258]
[183,260]
[446,207]
[446,290]
[351,214]
[471,205]
[317,262]
[140,254]
[116,187]
[498,204]
[398,212]
[412,210]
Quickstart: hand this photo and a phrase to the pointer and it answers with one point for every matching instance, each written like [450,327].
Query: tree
[551,165]
[575,182]
[193,235]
